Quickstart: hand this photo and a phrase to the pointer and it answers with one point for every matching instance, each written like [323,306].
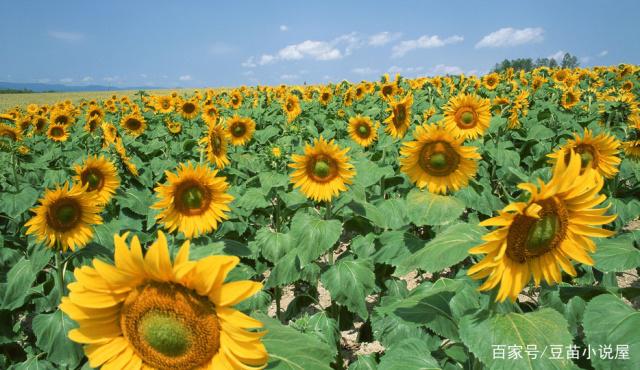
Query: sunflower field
[449,222]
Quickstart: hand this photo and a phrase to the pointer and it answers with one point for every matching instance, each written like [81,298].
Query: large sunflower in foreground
[362,130]
[65,217]
[100,176]
[437,160]
[598,152]
[467,116]
[193,200]
[323,171]
[399,120]
[145,312]
[240,130]
[541,236]
[134,124]
[216,141]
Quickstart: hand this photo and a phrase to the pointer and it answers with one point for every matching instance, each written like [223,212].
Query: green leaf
[366,362]
[51,331]
[314,236]
[483,334]
[291,350]
[369,173]
[33,363]
[137,200]
[350,281]
[273,245]
[411,353]
[446,249]
[286,271]
[16,204]
[616,254]
[425,208]
[320,325]
[253,198]
[540,132]
[609,321]
[21,277]
[272,179]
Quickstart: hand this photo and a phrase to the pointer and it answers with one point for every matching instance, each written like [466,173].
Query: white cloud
[423,42]
[66,80]
[603,53]
[284,28]
[249,63]
[185,78]
[87,79]
[404,70]
[289,76]
[442,69]
[220,48]
[383,38]
[558,55]
[364,71]
[266,59]
[66,36]
[511,37]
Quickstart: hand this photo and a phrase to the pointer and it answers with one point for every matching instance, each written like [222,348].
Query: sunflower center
[531,237]
[64,214]
[193,197]
[62,120]
[165,333]
[322,169]
[401,113]
[216,143]
[438,158]
[57,132]
[133,124]
[188,108]
[93,178]
[170,326]
[363,130]
[238,130]
[466,118]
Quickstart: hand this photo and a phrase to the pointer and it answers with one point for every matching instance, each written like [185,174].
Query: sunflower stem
[59,273]
[14,164]
[327,216]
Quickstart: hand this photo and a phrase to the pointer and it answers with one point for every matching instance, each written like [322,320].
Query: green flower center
[363,130]
[467,118]
[321,169]
[238,130]
[165,333]
[66,214]
[193,197]
[438,161]
[93,179]
[542,233]
[586,159]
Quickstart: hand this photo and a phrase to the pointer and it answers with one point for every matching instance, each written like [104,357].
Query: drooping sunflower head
[362,130]
[599,152]
[148,312]
[541,236]
[193,200]
[10,133]
[64,218]
[323,171]
[100,177]
[57,132]
[240,130]
[398,122]
[133,124]
[217,142]
[291,106]
[174,127]
[491,81]
[39,123]
[388,90]
[632,149]
[437,160]
[467,116]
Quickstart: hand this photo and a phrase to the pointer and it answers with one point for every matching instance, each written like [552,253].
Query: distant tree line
[15,91]
[527,64]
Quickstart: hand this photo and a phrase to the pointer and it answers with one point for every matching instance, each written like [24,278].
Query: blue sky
[206,43]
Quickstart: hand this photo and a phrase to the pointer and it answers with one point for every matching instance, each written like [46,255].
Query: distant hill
[39,87]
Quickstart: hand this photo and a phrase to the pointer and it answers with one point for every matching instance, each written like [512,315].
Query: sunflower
[467,116]
[174,127]
[632,149]
[598,152]
[188,109]
[240,130]
[387,90]
[291,106]
[216,141]
[437,160]
[538,237]
[323,171]
[210,114]
[149,313]
[164,104]
[570,97]
[399,120]
[235,100]
[276,152]
[491,81]
[362,130]
[193,200]
[109,132]
[64,217]
[60,117]
[11,133]
[57,132]
[39,123]
[95,111]
[325,96]
[100,176]
[134,124]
